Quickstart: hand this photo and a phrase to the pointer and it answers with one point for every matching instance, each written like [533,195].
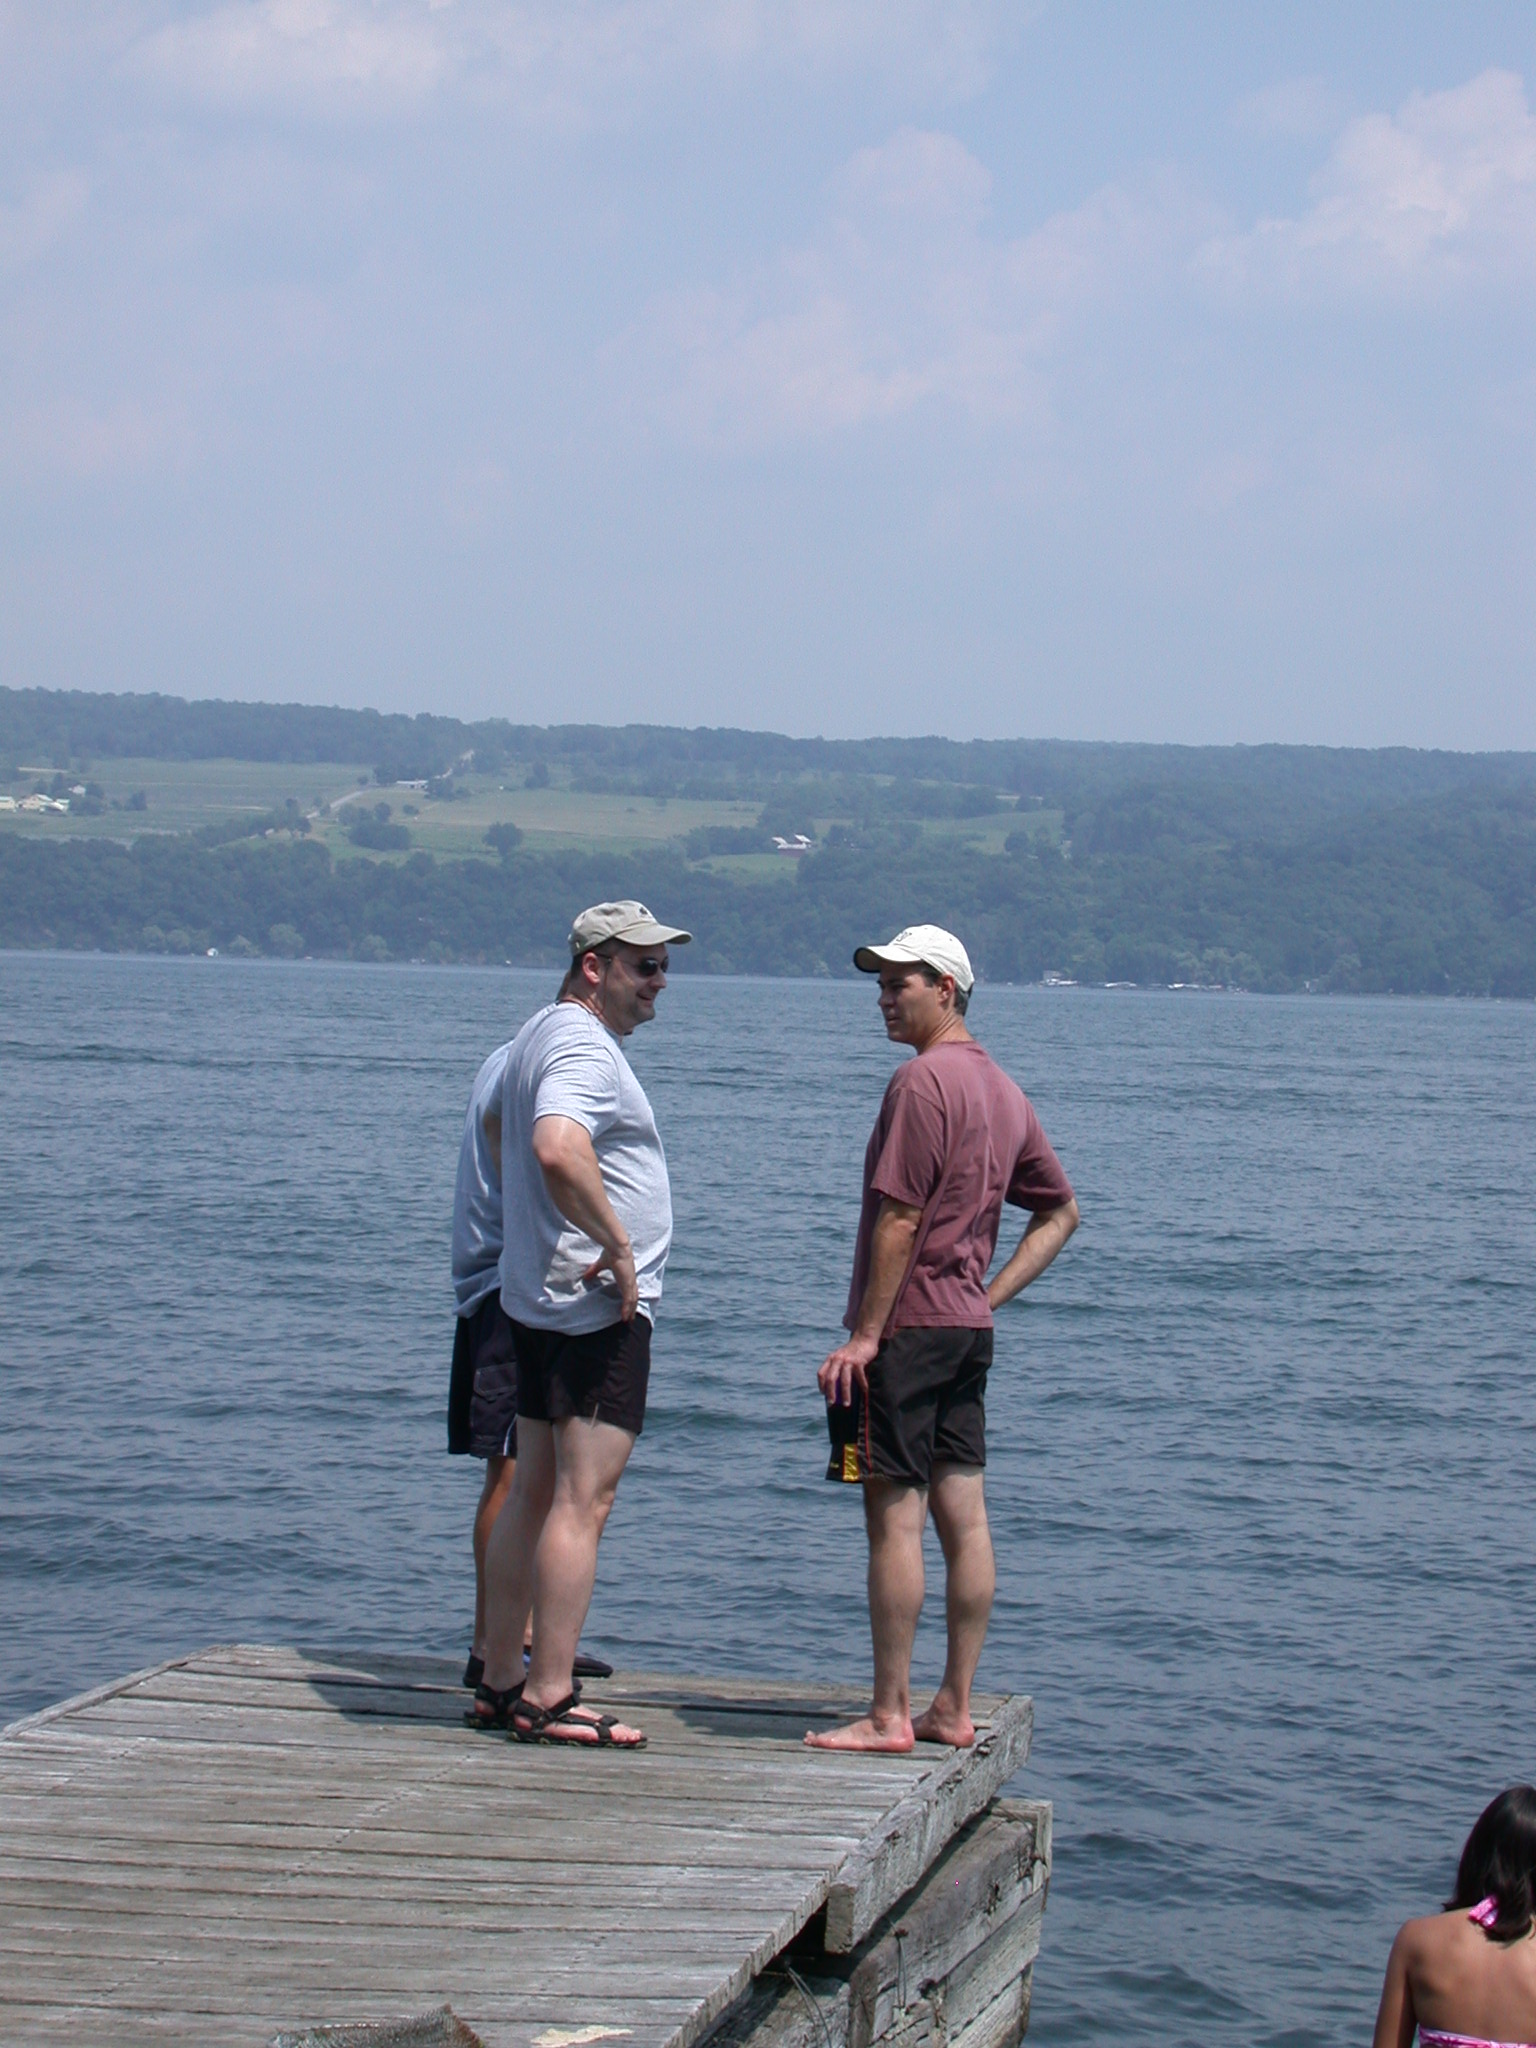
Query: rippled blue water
[1262,1440]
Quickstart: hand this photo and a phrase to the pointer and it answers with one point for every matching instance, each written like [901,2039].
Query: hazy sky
[1138,371]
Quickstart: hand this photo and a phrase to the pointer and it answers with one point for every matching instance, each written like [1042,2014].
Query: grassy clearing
[752,867]
[182,794]
[185,794]
[552,820]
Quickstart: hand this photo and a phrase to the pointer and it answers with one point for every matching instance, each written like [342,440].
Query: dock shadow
[392,1688]
[425,1690]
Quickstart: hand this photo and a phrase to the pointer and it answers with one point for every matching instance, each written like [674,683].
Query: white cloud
[31,227]
[901,299]
[551,59]
[341,51]
[1443,192]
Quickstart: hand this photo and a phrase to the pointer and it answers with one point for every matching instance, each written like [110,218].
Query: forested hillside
[1268,868]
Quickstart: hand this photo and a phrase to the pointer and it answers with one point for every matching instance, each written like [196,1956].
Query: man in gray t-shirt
[585,1178]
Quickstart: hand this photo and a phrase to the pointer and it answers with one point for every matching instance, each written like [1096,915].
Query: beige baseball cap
[920,945]
[626,920]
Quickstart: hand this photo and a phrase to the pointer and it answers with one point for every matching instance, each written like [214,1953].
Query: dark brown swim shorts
[926,1406]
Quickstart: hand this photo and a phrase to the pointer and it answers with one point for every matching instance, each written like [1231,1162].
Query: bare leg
[493,1494]
[894,1516]
[589,1457]
[509,1554]
[960,1517]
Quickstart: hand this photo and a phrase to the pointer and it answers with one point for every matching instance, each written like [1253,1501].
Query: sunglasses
[647,967]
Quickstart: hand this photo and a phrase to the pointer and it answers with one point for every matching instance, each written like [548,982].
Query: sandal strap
[531,1724]
[529,1721]
[500,1703]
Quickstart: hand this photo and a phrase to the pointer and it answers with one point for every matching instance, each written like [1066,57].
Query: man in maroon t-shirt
[954,1140]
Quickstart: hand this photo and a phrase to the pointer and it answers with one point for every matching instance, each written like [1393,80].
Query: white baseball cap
[625,920]
[920,945]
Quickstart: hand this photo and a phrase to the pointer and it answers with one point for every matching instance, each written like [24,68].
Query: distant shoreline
[695,975]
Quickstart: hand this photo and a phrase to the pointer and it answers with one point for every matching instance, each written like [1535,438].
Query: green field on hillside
[182,796]
[288,830]
[552,819]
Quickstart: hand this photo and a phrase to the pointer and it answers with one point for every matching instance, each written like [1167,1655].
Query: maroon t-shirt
[953,1103]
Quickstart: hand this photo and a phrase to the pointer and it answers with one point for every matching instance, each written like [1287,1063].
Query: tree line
[1435,895]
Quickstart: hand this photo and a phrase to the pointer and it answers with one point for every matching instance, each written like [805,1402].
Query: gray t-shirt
[566,1062]
[477,1193]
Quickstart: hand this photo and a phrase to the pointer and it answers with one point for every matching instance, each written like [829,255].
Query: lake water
[1262,1441]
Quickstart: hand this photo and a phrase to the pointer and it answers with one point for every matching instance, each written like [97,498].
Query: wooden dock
[250,1844]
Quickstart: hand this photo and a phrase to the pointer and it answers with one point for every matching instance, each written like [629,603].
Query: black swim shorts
[926,1406]
[599,1375]
[482,1387]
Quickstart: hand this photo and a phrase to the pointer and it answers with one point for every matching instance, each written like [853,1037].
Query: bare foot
[942,1725]
[891,1738]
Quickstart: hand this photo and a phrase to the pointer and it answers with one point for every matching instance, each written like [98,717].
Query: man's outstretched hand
[846,1368]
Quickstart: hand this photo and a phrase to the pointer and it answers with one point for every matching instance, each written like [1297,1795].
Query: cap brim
[870,959]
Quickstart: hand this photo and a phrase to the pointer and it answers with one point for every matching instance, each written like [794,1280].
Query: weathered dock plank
[905,1843]
[251,1841]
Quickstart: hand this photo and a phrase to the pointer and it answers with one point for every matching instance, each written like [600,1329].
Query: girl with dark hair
[1466,1976]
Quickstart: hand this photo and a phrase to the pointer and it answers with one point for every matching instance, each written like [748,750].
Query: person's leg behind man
[497,1486]
[482,1419]
[958,1499]
[509,1567]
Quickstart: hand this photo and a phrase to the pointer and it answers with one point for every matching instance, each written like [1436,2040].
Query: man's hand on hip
[847,1368]
[621,1264]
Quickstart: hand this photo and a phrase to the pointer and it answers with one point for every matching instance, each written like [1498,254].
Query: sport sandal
[529,1723]
[498,1706]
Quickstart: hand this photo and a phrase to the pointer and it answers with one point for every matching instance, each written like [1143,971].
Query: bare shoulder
[1439,1936]
[1422,1937]
[1444,1955]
